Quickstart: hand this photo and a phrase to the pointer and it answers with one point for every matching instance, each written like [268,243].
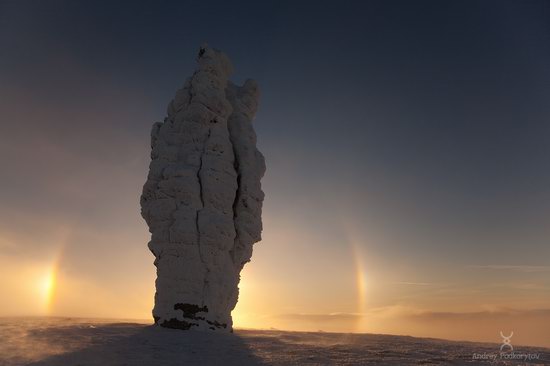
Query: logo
[506,342]
[510,355]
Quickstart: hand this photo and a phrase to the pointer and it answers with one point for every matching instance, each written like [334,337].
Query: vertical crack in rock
[235,201]
[202,199]
[199,171]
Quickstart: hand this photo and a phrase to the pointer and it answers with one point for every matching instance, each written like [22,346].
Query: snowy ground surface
[67,341]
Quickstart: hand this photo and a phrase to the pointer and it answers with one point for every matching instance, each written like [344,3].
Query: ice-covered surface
[203,199]
[69,341]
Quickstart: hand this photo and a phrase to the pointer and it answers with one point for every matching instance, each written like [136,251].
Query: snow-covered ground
[68,341]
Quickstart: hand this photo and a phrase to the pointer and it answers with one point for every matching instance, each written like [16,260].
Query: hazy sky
[407,146]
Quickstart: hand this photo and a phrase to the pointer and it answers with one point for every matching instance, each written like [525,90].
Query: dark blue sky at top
[428,116]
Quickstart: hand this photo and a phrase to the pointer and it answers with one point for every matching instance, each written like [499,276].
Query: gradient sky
[407,146]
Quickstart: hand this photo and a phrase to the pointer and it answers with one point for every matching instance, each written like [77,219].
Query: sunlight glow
[360,279]
[241,317]
[47,286]
[361,283]
[358,257]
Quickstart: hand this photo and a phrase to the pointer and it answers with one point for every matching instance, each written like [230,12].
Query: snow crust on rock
[202,199]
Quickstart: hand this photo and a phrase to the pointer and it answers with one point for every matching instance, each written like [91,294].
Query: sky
[407,148]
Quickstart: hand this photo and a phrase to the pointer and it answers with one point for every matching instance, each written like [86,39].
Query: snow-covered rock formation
[202,199]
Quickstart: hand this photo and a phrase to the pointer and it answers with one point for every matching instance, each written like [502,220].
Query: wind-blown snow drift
[202,199]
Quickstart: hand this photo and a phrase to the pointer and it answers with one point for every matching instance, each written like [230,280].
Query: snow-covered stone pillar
[202,199]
